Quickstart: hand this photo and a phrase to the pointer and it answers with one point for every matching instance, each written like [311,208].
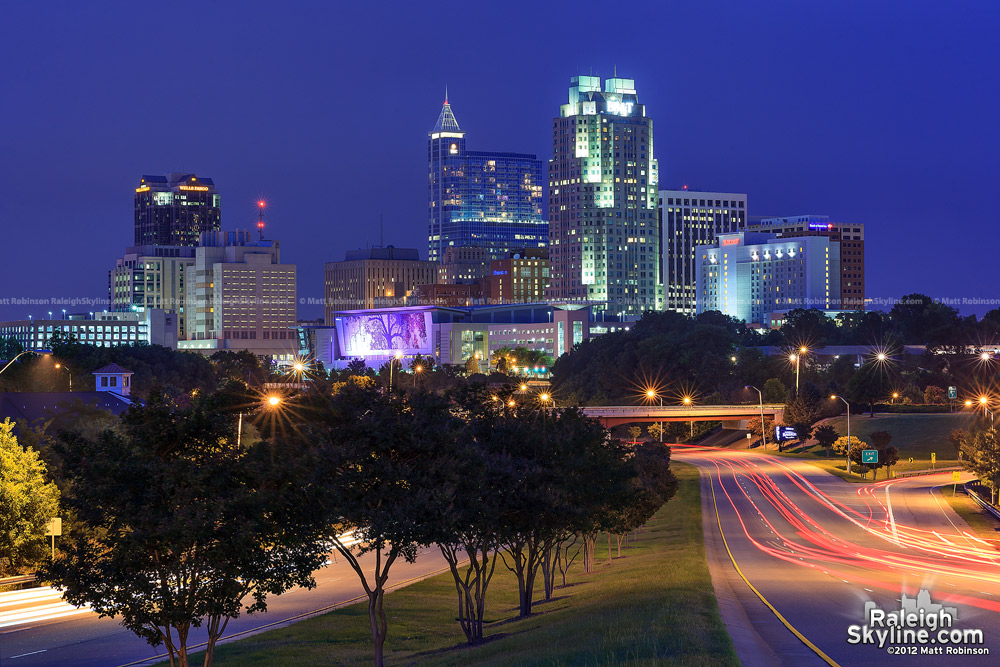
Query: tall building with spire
[604,239]
[481,199]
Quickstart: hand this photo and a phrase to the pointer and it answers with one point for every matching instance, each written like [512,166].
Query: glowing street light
[273,401]
[651,394]
[392,364]
[58,366]
[796,359]
[895,395]
[416,369]
[687,401]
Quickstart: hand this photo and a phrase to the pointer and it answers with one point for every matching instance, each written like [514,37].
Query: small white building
[113,378]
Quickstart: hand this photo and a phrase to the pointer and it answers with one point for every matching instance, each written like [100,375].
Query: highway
[37,628]
[817,548]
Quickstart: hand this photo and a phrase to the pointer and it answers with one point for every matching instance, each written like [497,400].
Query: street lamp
[895,395]
[545,398]
[21,354]
[687,401]
[392,364]
[416,369]
[848,430]
[984,401]
[651,393]
[70,375]
[763,431]
[797,358]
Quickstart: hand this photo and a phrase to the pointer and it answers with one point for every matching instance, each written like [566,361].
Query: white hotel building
[750,275]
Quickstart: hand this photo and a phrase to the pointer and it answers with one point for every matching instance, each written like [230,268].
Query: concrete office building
[374,277]
[749,275]
[450,335]
[851,239]
[239,296]
[175,209]
[152,326]
[480,198]
[520,278]
[151,277]
[604,240]
[689,219]
[462,265]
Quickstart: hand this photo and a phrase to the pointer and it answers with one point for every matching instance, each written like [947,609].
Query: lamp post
[416,369]
[21,354]
[984,401]
[687,401]
[651,393]
[392,364]
[763,431]
[545,398]
[797,358]
[848,431]
[58,365]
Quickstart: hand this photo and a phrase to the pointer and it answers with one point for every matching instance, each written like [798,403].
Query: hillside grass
[653,606]
[915,435]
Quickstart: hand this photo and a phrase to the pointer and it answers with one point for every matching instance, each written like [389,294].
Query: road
[817,548]
[39,629]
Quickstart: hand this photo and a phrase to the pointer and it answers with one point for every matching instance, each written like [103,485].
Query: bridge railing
[654,410]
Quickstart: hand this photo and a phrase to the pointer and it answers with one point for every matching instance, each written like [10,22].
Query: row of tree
[182,522]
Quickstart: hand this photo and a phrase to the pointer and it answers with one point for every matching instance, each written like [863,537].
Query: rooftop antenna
[446,93]
[260,218]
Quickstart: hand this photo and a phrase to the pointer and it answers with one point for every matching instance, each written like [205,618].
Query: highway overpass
[614,415]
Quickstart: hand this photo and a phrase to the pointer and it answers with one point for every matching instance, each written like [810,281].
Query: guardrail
[16,581]
[926,471]
[982,503]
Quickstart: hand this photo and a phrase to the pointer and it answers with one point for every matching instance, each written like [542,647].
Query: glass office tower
[175,209]
[481,199]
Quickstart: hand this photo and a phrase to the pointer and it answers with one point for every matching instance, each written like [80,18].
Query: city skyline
[857,127]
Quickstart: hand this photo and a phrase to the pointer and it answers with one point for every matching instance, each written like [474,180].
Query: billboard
[382,333]
[783,433]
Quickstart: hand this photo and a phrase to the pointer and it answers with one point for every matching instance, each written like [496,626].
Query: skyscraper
[175,209]
[688,219]
[480,199]
[604,239]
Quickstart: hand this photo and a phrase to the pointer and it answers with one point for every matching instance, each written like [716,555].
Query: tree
[803,431]
[957,438]
[846,448]
[880,439]
[27,502]
[888,457]
[774,391]
[371,457]
[825,435]
[656,431]
[754,426]
[635,432]
[472,365]
[982,457]
[358,367]
[857,458]
[870,384]
[934,395]
[186,529]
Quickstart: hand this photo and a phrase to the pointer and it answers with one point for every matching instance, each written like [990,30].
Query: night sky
[882,113]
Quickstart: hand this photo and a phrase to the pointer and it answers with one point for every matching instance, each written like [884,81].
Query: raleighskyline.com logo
[918,627]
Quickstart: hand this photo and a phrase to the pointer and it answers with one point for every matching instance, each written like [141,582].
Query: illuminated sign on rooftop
[620,108]
[824,226]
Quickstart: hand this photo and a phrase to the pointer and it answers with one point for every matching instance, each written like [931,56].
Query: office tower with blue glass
[481,199]
[604,233]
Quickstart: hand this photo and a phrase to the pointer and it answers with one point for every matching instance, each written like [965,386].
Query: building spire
[446,121]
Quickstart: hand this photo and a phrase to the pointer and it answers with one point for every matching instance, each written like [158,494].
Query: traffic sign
[54,526]
[869,456]
[955,476]
[933,457]
[911,459]
[952,393]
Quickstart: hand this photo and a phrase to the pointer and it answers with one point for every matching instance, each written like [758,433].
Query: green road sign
[952,393]
[869,456]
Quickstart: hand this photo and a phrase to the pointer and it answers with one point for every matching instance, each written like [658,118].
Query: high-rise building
[175,209]
[688,219]
[151,277]
[604,239]
[374,277]
[520,278]
[849,236]
[752,275]
[461,265]
[239,296]
[100,329]
[481,198]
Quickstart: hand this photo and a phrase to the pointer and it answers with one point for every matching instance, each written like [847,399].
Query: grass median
[654,605]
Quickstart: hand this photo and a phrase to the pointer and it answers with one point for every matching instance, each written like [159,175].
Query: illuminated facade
[480,199]
[689,219]
[604,238]
[239,296]
[151,277]
[374,277]
[749,275]
[521,278]
[850,238]
[100,329]
[174,210]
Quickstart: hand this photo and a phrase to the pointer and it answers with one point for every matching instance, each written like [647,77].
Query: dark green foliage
[825,435]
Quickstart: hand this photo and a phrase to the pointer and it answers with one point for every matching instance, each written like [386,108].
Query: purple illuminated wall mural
[364,335]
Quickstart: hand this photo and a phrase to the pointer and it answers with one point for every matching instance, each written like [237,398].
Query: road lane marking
[830,661]
[892,519]
[15,657]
